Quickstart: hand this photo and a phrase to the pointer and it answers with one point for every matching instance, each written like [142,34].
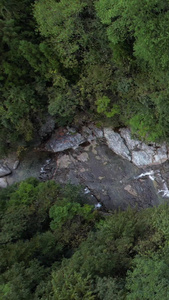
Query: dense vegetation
[103,60]
[100,59]
[54,246]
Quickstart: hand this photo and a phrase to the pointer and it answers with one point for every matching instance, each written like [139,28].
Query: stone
[83,157]
[11,161]
[64,161]
[149,155]
[63,142]
[141,158]
[4,170]
[161,155]
[98,157]
[131,143]
[16,164]
[87,134]
[116,143]
[142,155]
[3,183]
[98,132]
[130,190]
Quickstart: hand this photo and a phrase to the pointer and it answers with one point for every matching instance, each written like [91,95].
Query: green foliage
[146,127]
[70,58]
[60,214]
[29,249]
[20,281]
[103,106]
[137,35]
[63,25]
[143,26]
[109,288]
[76,60]
[72,285]
[53,246]
[149,279]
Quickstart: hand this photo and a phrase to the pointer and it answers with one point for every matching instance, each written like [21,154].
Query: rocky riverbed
[104,162]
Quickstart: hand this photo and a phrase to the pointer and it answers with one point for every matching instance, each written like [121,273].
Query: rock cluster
[139,153]
[6,166]
[64,139]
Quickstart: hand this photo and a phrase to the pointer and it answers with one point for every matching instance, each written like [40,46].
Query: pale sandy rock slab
[116,143]
[64,161]
[130,190]
[83,157]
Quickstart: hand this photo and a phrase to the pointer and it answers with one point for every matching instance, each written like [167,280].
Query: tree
[149,279]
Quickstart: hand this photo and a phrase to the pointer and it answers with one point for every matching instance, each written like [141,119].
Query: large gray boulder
[141,154]
[11,161]
[142,158]
[116,143]
[4,170]
[64,142]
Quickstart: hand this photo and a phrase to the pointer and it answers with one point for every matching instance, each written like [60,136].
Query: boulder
[116,143]
[3,183]
[11,161]
[161,154]
[83,157]
[4,170]
[130,190]
[142,158]
[132,144]
[16,164]
[149,155]
[64,142]
[97,132]
[64,161]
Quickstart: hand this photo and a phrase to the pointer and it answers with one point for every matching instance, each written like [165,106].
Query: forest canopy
[100,60]
[68,57]
[56,246]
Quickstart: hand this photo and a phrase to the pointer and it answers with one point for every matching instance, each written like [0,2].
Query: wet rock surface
[109,179]
[86,157]
[31,165]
